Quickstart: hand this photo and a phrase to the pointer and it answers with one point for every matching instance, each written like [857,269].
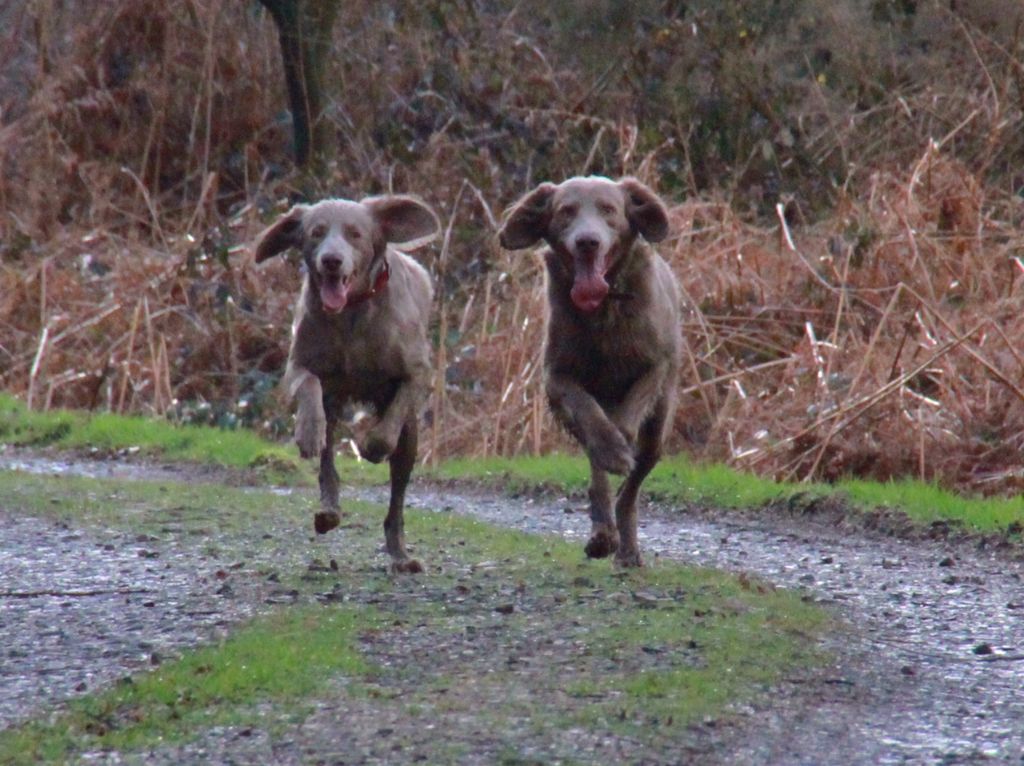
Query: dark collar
[378,286]
[612,276]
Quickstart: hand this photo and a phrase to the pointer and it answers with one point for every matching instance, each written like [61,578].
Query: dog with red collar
[359,335]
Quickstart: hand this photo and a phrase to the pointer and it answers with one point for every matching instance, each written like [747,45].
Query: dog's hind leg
[329,515]
[649,441]
[402,460]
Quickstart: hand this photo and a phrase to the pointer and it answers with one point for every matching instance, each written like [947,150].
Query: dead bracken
[852,293]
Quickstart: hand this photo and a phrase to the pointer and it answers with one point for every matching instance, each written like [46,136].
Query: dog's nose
[587,244]
[330,263]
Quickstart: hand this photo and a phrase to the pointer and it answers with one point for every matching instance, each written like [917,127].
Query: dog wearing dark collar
[359,335]
[613,341]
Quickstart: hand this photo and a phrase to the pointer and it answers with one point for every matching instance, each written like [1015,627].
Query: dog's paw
[406,566]
[310,435]
[325,521]
[376,446]
[612,453]
[602,544]
[628,559]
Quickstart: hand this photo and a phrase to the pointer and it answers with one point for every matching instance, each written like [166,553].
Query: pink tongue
[333,296]
[589,291]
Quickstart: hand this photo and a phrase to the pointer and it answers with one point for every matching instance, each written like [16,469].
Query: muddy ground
[931,667]
[929,664]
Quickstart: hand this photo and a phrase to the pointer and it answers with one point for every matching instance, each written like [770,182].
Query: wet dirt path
[78,610]
[929,669]
[83,607]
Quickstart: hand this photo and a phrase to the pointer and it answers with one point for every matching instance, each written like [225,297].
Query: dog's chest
[616,336]
[359,355]
[353,352]
[604,356]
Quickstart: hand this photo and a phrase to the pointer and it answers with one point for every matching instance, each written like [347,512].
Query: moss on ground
[105,432]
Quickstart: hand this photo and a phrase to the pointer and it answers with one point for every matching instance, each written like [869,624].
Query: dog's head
[591,224]
[343,242]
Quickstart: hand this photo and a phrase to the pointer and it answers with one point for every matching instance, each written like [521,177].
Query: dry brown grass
[880,339]
[883,342]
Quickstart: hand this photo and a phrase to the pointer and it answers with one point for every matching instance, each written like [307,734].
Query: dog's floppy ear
[284,233]
[645,210]
[407,222]
[527,220]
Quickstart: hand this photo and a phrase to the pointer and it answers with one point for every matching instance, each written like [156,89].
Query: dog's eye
[567,211]
[605,208]
[318,231]
[353,233]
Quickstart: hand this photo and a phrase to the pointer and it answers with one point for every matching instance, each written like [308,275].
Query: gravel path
[78,610]
[929,670]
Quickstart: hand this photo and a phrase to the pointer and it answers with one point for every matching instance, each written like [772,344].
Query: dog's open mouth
[589,290]
[334,292]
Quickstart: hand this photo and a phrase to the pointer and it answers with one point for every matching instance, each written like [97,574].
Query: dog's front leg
[310,420]
[380,441]
[604,536]
[586,420]
[329,515]
[639,402]
[314,436]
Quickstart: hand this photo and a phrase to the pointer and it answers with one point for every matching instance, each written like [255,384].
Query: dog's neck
[380,282]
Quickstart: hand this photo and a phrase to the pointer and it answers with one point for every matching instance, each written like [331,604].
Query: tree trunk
[304,30]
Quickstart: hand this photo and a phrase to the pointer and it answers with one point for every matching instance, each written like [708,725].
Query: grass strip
[522,625]
[108,432]
[676,478]
[280,658]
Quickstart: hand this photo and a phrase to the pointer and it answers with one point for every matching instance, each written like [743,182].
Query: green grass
[562,471]
[679,479]
[675,479]
[75,430]
[281,658]
[742,637]
[143,506]
[927,502]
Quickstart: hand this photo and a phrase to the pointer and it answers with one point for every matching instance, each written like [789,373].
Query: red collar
[378,285]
